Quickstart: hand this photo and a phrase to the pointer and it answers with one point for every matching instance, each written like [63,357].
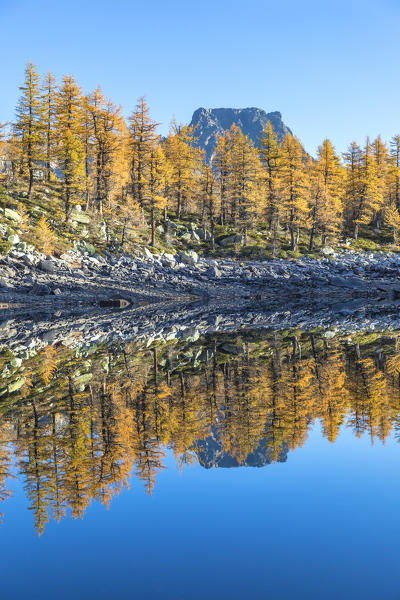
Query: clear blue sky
[330,67]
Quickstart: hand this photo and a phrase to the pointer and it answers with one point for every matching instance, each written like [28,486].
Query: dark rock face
[211,122]
[211,455]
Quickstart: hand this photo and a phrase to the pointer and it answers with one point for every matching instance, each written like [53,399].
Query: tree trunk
[123,234]
[153,228]
[179,205]
[30,182]
[311,244]
[292,244]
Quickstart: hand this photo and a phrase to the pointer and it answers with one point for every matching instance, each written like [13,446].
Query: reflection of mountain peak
[211,454]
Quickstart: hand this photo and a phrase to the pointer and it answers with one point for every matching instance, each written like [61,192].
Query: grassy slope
[92,235]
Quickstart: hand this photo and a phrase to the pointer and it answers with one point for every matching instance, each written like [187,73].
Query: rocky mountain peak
[211,122]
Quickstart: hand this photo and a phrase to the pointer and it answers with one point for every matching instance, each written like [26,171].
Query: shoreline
[37,281]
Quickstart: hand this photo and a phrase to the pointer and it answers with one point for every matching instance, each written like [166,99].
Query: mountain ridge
[212,122]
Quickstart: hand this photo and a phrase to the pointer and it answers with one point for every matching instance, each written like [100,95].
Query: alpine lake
[245,464]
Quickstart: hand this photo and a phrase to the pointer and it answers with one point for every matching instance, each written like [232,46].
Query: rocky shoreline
[79,279]
[184,297]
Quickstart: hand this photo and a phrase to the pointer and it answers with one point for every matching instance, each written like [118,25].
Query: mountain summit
[211,122]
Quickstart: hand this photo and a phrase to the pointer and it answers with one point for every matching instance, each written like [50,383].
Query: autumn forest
[90,155]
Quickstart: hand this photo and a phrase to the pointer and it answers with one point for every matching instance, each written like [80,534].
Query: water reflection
[77,423]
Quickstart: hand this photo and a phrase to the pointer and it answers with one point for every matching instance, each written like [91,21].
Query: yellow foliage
[46,239]
[48,364]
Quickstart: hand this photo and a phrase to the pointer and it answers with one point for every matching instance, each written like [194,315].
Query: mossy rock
[16,385]
[12,215]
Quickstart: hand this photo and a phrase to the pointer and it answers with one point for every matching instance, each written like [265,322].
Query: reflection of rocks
[26,333]
[77,278]
[211,454]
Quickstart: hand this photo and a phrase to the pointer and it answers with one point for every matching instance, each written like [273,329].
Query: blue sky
[330,67]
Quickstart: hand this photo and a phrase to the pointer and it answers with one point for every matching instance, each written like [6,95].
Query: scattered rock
[14,239]
[213,271]
[80,217]
[12,215]
[190,257]
[328,251]
[48,266]
[230,239]
[191,334]
[168,260]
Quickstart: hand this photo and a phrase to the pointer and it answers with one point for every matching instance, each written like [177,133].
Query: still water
[250,465]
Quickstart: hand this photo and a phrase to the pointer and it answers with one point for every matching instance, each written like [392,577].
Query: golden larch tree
[294,187]
[29,123]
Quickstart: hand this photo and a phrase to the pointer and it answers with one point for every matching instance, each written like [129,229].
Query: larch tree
[87,143]
[353,186]
[155,199]
[13,154]
[69,145]
[394,169]
[294,187]
[185,161]
[29,123]
[2,138]
[3,146]
[245,181]
[392,218]
[49,92]
[381,157]
[222,167]
[271,157]
[370,200]
[210,199]
[142,135]
[325,199]
[107,130]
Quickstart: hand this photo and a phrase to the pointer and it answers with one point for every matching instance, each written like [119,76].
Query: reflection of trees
[80,426]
